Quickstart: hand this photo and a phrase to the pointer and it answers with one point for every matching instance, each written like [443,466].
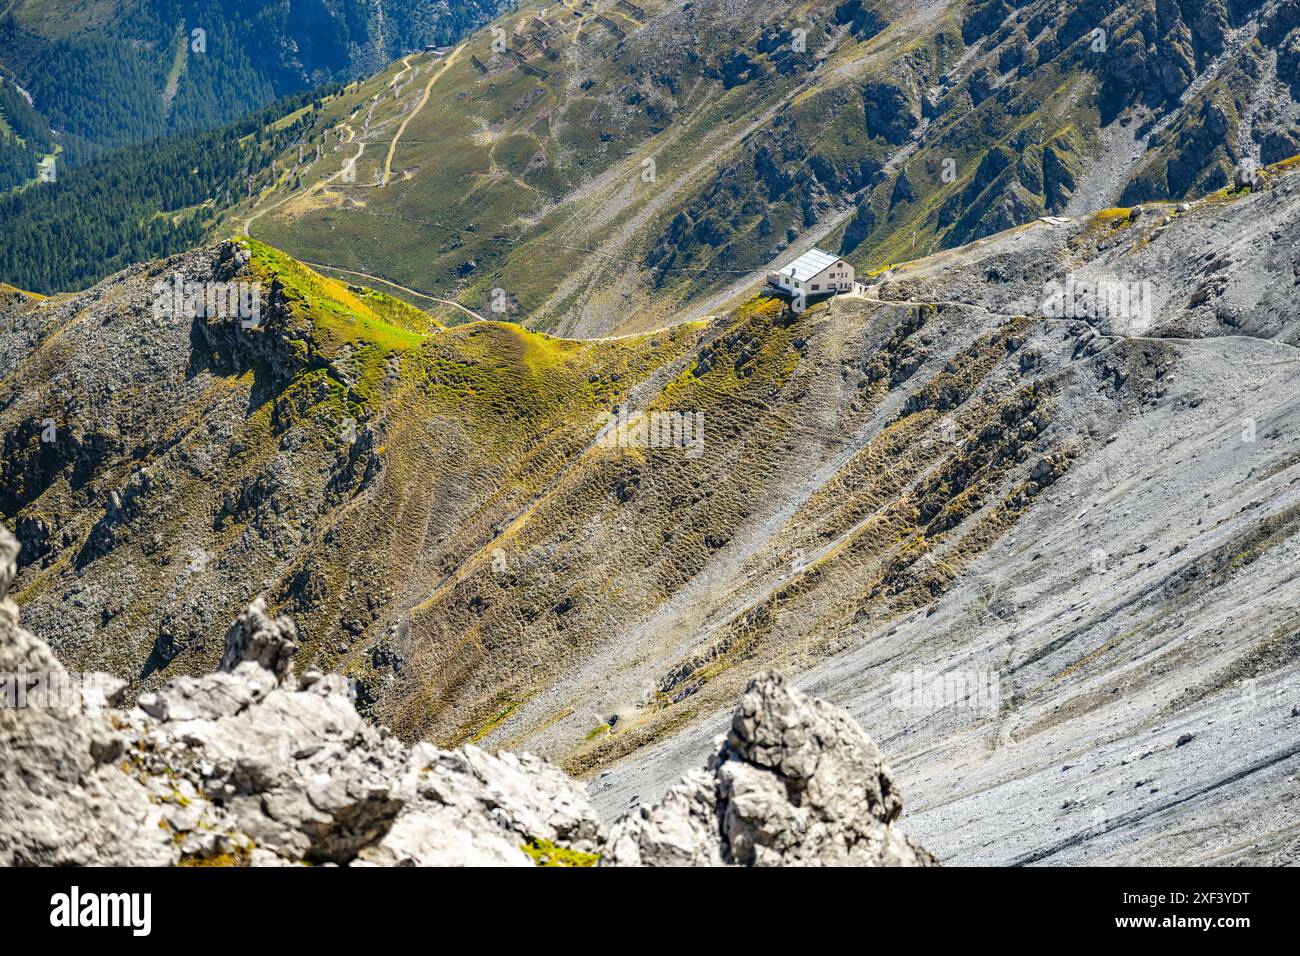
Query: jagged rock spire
[248,766]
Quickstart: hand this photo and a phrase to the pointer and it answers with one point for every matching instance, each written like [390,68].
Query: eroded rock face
[254,637]
[251,765]
[795,782]
[56,806]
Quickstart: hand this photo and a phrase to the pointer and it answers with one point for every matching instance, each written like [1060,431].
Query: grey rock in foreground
[251,766]
[796,782]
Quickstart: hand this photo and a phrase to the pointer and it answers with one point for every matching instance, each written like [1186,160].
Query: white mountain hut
[813,274]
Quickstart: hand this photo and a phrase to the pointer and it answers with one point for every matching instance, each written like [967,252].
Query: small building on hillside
[815,273]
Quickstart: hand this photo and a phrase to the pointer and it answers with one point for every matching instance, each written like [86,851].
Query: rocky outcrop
[892,109]
[795,782]
[64,800]
[256,638]
[250,765]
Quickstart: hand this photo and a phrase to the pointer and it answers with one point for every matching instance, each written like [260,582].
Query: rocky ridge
[254,765]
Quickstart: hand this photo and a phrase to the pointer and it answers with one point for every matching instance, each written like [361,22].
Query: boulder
[795,782]
[250,766]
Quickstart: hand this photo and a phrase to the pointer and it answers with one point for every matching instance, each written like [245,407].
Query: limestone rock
[796,782]
[684,829]
[248,766]
[62,804]
[255,637]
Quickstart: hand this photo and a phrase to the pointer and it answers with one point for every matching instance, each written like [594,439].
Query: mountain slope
[593,157]
[121,73]
[25,138]
[601,167]
[1096,512]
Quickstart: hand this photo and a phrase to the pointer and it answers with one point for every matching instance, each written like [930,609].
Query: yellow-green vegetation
[646,729]
[219,860]
[6,289]
[339,321]
[336,305]
[1111,215]
[546,853]
[504,381]
[495,722]
[1101,225]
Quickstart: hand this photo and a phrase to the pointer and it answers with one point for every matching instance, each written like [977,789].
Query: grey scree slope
[1141,620]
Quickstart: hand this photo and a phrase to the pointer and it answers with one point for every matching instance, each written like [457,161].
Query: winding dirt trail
[389,282]
[350,164]
[428,88]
